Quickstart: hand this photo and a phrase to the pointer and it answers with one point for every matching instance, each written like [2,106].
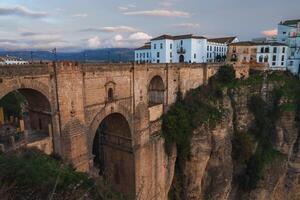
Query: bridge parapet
[25,70]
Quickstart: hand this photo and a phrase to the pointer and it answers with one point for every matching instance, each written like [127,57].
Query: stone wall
[82,95]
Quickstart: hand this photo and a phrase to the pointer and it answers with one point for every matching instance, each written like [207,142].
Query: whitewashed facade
[289,33]
[275,54]
[182,49]
[9,60]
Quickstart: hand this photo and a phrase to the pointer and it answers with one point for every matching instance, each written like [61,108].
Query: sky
[74,25]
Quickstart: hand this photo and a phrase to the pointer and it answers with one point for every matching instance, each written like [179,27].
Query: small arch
[181,58]
[156,91]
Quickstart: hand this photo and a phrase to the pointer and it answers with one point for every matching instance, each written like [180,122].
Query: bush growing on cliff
[31,174]
[226,74]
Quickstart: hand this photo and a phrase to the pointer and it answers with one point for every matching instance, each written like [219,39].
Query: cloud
[269,33]
[127,7]
[111,29]
[22,12]
[140,36]
[159,13]
[80,15]
[94,42]
[118,38]
[187,25]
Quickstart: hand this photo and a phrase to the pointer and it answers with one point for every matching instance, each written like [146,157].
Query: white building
[289,33]
[217,48]
[9,60]
[183,48]
[273,53]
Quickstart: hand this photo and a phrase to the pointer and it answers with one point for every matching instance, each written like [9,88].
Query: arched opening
[181,58]
[25,118]
[156,91]
[110,94]
[113,153]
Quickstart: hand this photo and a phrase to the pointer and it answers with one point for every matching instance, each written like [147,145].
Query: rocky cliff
[252,151]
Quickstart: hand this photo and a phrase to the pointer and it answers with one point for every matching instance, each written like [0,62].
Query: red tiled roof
[224,40]
[178,37]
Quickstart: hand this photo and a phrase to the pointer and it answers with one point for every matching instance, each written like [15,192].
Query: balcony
[181,50]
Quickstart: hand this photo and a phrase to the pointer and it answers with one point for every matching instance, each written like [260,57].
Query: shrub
[226,74]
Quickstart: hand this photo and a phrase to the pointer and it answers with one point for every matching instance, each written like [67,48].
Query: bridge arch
[156,91]
[33,107]
[112,150]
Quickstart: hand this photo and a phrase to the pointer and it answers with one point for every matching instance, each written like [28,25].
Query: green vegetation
[200,106]
[31,174]
[252,149]
[12,104]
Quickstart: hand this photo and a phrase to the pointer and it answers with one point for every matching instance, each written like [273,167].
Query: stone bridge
[105,118]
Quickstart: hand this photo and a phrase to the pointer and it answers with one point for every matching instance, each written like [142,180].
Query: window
[282,58]
[161,45]
[171,46]
[274,58]
[181,42]
[283,50]
[267,50]
[195,56]
[210,48]
[157,61]
[261,50]
[260,59]
[207,48]
[154,46]
[110,94]
[210,55]
[275,50]
[214,48]
[147,54]
[207,55]
[282,63]
[144,55]
[141,55]
[157,54]
[137,55]
[171,55]
[266,59]
[283,33]
[273,63]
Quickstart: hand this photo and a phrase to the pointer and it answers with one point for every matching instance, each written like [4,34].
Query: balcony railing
[181,50]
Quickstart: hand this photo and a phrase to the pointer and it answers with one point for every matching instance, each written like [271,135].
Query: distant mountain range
[97,55]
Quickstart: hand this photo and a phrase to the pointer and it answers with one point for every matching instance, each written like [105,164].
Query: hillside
[97,55]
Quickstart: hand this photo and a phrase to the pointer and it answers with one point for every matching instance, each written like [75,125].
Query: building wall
[280,55]
[191,46]
[291,36]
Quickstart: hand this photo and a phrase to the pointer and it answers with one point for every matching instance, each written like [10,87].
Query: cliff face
[213,170]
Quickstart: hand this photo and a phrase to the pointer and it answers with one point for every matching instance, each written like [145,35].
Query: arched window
[156,91]
[110,94]
[260,59]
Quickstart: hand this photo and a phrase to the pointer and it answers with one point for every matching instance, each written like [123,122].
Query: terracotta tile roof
[223,40]
[146,46]
[178,37]
[270,43]
[250,43]
[243,43]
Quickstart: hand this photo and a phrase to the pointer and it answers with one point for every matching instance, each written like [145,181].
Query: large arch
[113,153]
[35,114]
[156,91]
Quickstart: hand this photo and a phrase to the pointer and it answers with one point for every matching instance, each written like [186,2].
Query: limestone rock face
[211,172]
